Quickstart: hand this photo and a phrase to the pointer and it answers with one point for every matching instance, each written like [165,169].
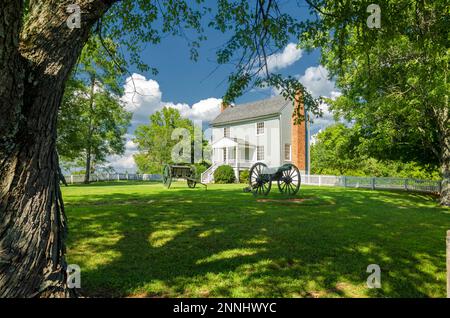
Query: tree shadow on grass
[224,243]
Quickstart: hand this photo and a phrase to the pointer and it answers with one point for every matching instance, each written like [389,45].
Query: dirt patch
[140,295]
[341,289]
[305,201]
[293,200]
[147,295]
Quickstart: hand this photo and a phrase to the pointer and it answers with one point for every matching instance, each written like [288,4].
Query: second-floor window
[260,153]
[260,128]
[226,132]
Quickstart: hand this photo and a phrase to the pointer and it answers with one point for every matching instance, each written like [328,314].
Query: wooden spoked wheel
[191,183]
[191,179]
[167,176]
[290,180]
[259,182]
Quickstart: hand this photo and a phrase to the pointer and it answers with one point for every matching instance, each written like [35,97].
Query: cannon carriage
[287,177]
[189,173]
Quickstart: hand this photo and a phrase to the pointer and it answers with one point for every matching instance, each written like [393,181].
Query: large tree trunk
[87,175]
[444,128]
[445,193]
[445,169]
[32,219]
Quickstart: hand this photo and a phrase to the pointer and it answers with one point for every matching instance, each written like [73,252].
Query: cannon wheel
[191,183]
[259,184]
[191,179]
[167,176]
[290,180]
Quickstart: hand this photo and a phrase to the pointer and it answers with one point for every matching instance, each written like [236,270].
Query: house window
[260,153]
[226,132]
[224,154]
[260,128]
[232,154]
[247,153]
[287,152]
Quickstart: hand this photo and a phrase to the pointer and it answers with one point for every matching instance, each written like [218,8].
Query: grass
[139,239]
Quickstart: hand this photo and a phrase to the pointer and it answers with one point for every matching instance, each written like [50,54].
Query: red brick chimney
[223,106]
[298,138]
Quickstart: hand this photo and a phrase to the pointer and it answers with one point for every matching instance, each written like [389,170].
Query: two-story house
[261,131]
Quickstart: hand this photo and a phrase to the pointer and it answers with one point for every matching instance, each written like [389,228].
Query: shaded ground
[139,239]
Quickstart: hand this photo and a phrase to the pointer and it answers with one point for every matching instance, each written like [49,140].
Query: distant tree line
[156,142]
[342,150]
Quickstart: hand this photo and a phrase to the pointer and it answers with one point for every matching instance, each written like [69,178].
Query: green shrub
[224,174]
[243,176]
[201,167]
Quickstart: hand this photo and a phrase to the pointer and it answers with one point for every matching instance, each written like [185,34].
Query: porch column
[236,163]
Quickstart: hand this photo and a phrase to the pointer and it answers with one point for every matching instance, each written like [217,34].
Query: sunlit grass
[139,239]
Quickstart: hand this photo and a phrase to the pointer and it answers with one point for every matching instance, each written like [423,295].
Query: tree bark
[36,64]
[443,128]
[87,175]
[11,73]
[445,167]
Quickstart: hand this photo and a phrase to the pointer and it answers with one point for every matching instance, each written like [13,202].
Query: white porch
[235,152]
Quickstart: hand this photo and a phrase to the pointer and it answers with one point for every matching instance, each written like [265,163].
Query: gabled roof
[262,108]
[231,142]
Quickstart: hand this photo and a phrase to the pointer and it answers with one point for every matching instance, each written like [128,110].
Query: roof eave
[212,124]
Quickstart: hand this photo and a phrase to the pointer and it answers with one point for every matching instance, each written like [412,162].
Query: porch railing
[232,162]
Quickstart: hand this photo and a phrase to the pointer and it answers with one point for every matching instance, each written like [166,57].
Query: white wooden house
[261,131]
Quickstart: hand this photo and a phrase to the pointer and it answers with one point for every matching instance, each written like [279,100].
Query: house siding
[285,129]
[278,131]
[247,131]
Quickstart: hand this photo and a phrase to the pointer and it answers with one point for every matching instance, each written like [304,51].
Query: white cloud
[204,110]
[316,81]
[289,56]
[315,137]
[130,145]
[122,163]
[143,97]
[125,162]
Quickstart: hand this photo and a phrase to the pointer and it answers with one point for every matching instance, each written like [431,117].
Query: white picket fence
[74,179]
[374,183]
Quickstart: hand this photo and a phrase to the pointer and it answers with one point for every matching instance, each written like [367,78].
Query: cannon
[260,179]
[189,173]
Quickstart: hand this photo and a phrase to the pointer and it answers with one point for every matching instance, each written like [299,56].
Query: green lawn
[139,239]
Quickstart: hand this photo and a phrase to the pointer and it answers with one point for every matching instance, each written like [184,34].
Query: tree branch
[315,7]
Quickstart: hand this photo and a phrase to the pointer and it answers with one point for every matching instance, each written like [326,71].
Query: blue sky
[182,80]
[196,88]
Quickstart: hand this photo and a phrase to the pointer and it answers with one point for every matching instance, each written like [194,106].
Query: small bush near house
[201,167]
[224,174]
[243,176]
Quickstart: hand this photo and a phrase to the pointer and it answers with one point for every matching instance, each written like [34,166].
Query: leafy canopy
[155,141]
[393,79]
[257,29]
[90,119]
[341,150]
